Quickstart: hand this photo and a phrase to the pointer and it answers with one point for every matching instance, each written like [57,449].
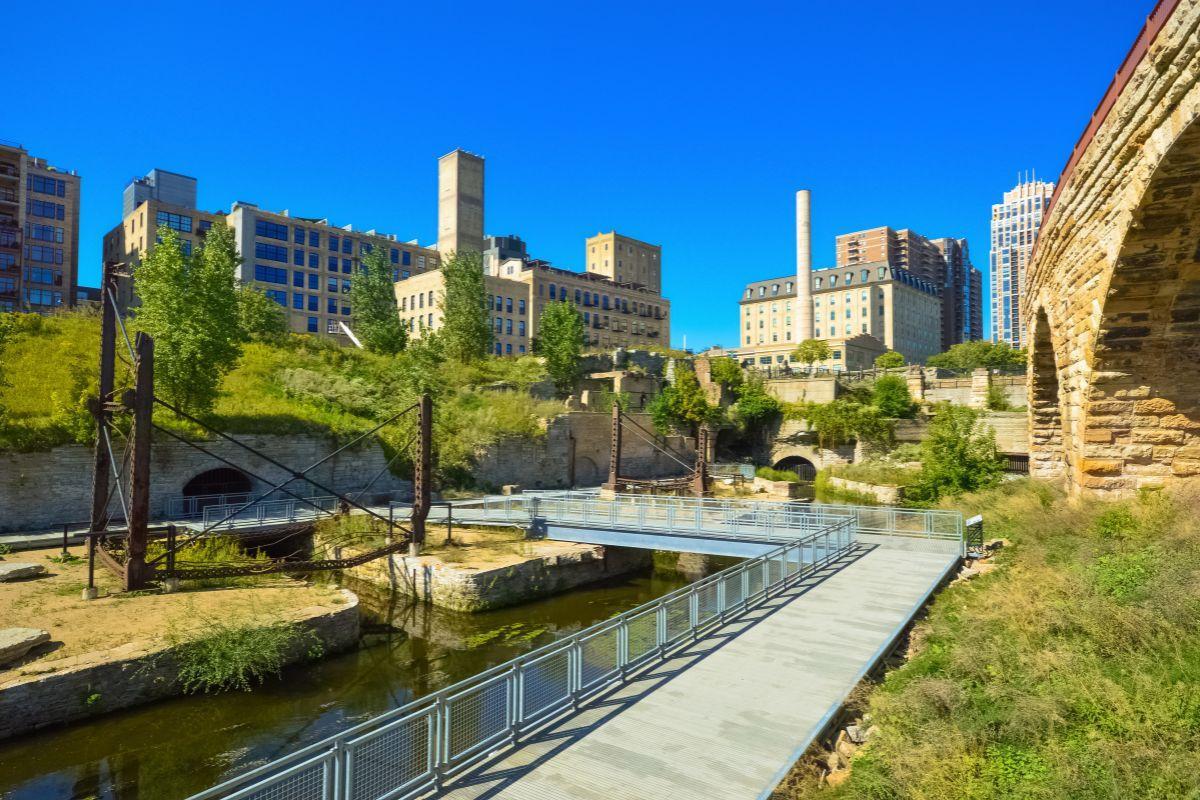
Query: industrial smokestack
[804,307]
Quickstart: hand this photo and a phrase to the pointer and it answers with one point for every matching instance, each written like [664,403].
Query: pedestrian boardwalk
[726,716]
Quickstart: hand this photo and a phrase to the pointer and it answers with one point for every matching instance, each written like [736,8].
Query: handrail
[415,747]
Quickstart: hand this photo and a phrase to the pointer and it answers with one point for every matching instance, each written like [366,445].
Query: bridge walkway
[728,715]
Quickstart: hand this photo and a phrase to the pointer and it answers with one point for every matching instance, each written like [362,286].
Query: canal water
[174,748]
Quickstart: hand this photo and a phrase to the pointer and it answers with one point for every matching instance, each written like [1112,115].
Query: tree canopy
[466,333]
[889,360]
[373,297]
[260,317]
[560,342]
[726,372]
[189,304]
[967,356]
[958,455]
[811,351]
[682,406]
[890,395]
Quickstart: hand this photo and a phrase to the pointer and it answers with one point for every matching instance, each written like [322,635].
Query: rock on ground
[14,572]
[16,642]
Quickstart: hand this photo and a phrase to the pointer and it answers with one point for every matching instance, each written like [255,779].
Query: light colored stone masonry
[1113,301]
[134,673]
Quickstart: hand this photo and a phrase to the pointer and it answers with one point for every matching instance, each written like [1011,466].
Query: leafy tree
[843,421]
[560,342]
[727,373]
[465,330]
[373,296]
[967,356]
[811,351]
[890,395]
[682,406]
[889,360]
[190,307]
[260,317]
[958,455]
[755,408]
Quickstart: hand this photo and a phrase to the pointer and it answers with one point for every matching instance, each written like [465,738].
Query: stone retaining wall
[133,674]
[888,495]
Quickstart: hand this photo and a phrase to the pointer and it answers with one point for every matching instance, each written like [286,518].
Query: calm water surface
[174,748]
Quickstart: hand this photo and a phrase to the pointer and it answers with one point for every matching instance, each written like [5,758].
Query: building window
[508,304]
[521,327]
[314,239]
[270,252]
[347,246]
[521,306]
[508,349]
[42,208]
[333,245]
[314,303]
[552,291]
[39,183]
[278,295]
[331,326]
[270,230]
[179,222]
[298,258]
[298,279]
[332,285]
[331,305]
[298,301]
[347,266]
[406,258]
[312,324]
[298,235]
[267,274]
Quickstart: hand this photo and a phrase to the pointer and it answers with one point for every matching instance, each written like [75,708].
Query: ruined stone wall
[1115,378]
[43,490]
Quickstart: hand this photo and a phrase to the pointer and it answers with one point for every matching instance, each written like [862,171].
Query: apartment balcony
[10,172]
[9,242]
[8,196]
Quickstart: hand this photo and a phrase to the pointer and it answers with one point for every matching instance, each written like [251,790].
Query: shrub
[769,474]
[889,360]
[997,400]
[958,455]
[238,655]
[890,395]
[727,372]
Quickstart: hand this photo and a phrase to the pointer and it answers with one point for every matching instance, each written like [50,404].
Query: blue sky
[686,125]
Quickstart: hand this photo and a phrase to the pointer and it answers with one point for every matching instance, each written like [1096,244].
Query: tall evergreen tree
[560,342]
[190,307]
[465,329]
[373,296]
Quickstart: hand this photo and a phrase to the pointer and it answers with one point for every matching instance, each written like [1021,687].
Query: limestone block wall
[1113,305]
[794,390]
[44,490]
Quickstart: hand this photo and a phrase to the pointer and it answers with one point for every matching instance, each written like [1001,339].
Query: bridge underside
[676,542]
[1113,307]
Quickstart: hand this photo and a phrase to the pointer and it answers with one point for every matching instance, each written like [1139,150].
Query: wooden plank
[725,718]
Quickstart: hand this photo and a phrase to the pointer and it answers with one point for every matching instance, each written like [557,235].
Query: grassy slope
[299,386]
[1071,671]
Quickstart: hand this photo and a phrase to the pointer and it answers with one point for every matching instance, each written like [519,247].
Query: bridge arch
[802,466]
[1113,292]
[222,480]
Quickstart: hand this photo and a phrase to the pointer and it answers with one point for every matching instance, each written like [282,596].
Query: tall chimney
[804,307]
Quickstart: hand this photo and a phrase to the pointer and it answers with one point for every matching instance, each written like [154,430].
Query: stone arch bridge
[1112,305]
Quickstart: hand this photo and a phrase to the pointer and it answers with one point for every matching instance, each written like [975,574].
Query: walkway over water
[710,691]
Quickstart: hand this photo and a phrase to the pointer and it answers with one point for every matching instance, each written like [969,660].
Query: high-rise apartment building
[1015,224]
[625,260]
[39,232]
[944,262]
[303,263]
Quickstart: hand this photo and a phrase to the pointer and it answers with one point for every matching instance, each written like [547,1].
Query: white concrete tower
[804,308]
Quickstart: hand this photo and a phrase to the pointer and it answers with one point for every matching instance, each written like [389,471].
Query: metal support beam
[136,571]
[423,474]
[614,459]
[101,471]
[700,481]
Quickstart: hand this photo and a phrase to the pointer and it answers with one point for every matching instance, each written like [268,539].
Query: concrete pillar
[915,376]
[981,379]
[804,309]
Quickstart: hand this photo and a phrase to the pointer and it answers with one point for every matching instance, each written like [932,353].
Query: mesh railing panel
[642,636]
[707,608]
[755,583]
[476,715]
[679,618]
[598,657]
[307,782]
[547,683]
[394,756]
[733,590]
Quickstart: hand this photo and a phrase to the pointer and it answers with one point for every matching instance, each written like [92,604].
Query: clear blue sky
[684,124]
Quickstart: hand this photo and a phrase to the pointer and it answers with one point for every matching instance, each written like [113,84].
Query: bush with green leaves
[560,342]
[889,360]
[997,400]
[770,474]
[890,395]
[755,408]
[727,372]
[841,421]
[259,317]
[682,407]
[958,455]
[373,300]
[189,305]
[967,356]
[225,655]
[811,351]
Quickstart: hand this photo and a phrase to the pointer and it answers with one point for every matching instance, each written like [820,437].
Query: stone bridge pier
[1113,292]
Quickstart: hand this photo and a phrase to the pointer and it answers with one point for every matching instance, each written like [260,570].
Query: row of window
[507,350]
[505,304]
[44,185]
[43,254]
[44,208]
[44,233]
[270,252]
[585,298]
[45,275]
[180,222]
[43,297]
[311,302]
[505,326]
[415,301]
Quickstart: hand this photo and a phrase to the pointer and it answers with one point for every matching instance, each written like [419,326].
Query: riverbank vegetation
[1070,670]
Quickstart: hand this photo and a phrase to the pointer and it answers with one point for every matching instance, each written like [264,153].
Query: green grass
[1070,671]
[880,473]
[769,474]
[226,655]
[299,385]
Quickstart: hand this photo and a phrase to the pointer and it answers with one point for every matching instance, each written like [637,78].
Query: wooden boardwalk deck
[726,717]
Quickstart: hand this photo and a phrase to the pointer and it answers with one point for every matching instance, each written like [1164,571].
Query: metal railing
[181,507]
[239,515]
[416,747]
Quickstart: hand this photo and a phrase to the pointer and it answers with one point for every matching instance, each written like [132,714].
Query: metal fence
[181,507]
[267,512]
[414,748]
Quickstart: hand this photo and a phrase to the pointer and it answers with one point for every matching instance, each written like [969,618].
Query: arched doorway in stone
[799,465]
[223,480]
[1045,409]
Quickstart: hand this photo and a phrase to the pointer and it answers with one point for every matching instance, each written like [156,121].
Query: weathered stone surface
[14,571]
[1113,292]
[15,643]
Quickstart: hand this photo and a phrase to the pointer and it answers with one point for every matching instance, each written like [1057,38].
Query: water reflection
[176,747]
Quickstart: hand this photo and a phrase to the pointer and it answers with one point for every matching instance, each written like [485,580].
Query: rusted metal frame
[185,573]
[423,474]
[294,475]
[136,570]
[614,458]
[653,443]
[648,438]
[101,474]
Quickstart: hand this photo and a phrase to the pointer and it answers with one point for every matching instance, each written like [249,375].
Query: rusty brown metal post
[101,466]
[700,480]
[136,571]
[614,458]
[423,473]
